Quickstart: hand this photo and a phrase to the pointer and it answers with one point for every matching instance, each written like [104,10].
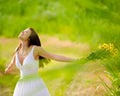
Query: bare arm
[43,53]
[10,66]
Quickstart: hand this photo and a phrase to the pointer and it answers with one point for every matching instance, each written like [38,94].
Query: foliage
[110,55]
[90,20]
[104,51]
[113,71]
[113,68]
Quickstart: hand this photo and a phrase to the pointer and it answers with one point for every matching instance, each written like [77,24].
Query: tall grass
[110,55]
[113,69]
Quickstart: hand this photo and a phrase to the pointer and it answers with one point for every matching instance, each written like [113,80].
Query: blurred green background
[77,19]
[73,28]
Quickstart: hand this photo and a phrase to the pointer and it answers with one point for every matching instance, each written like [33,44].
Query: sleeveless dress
[30,83]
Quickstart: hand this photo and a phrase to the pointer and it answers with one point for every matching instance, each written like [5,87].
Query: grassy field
[62,79]
[53,74]
[77,28]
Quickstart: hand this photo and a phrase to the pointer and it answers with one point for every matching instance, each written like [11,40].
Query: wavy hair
[34,40]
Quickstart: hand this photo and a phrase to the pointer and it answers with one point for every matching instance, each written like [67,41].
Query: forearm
[63,58]
[43,53]
[9,68]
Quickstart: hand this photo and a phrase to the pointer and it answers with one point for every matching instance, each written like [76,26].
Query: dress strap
[33,48]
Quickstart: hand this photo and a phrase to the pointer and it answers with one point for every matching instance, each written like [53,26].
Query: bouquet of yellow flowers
[105,50]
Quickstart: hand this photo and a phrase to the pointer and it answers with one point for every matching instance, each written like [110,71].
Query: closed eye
[26,31]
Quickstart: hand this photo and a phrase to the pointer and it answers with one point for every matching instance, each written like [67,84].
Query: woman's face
[24,35]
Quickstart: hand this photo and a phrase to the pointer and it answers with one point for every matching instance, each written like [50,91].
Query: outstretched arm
[10,66]
[43,53]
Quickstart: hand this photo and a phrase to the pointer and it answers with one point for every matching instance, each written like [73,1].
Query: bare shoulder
[37,49]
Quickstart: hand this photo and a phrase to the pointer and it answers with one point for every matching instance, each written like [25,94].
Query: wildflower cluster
[109,47]
[105,50]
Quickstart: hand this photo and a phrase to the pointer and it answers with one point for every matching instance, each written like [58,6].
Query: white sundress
[30,83]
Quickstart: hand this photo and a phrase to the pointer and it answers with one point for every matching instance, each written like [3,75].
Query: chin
[22,39]
[19,37]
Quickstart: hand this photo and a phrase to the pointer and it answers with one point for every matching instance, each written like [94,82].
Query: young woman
[29,55]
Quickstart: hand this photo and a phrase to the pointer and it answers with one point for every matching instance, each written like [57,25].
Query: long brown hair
[35,40]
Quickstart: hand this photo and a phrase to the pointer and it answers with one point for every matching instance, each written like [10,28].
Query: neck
[24,45]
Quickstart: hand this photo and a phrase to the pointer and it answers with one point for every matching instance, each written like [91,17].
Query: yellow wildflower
[109,47]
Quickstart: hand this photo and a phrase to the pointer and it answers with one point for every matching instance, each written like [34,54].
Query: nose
[22,32]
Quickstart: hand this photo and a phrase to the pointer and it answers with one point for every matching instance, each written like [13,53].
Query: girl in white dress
[28,57]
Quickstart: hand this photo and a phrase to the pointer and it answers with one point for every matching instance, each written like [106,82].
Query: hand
[7,71]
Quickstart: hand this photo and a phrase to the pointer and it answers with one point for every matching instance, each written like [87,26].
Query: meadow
[76,29]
